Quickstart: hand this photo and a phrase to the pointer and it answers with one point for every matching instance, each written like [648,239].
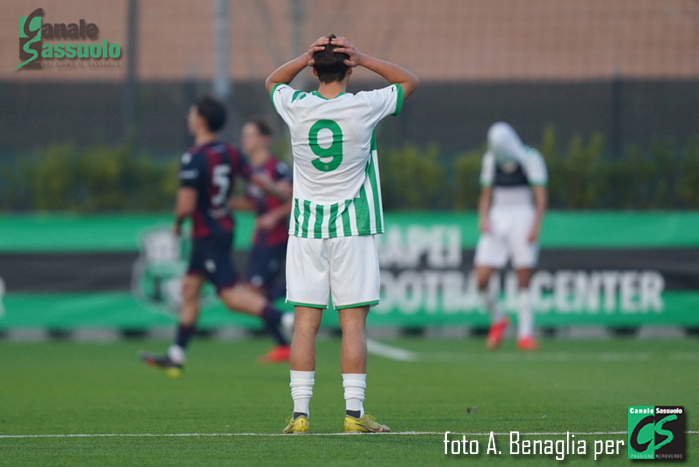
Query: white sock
[302,389]
[493,307]
[525,315]
[176,354]
[354,384]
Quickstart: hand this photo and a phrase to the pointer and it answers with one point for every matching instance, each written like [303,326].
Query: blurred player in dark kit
[207,175]
[271,225]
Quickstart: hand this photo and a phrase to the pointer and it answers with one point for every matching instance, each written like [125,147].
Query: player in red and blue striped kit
[207,175]
[271,226]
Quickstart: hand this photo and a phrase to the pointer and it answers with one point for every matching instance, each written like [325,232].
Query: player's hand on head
[317,46]
[346,47]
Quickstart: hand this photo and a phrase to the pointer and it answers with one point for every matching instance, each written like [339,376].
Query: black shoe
[164,363]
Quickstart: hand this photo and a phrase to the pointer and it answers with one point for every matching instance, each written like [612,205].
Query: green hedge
[103,178]
[581,177]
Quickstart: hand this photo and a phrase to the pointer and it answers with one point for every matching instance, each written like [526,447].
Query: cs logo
[656,432]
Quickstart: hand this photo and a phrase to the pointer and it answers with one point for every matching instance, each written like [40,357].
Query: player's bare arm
[540,204]
[484,208]
[241,203]
[281,189]
[185,205]
[268,220]
[272,217]
[287,72]
[388,71]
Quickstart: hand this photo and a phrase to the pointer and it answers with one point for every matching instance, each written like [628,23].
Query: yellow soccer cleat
[364,424]
[297,425]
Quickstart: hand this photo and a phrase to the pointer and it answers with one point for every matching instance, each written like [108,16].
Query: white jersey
[336,174]
[511,180]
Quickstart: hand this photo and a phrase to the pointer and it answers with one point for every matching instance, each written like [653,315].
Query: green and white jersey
[337,192]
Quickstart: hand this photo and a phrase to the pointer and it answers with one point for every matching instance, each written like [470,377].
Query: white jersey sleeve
[383,102]
[282,96]
[488,170]
[535,167]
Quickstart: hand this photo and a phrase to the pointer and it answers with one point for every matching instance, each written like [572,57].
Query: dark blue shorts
[211,257]
[265,264]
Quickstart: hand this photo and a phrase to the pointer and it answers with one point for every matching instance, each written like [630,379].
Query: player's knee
[190,292]
[524,277]
[482,281]
[352,326]
[305,330]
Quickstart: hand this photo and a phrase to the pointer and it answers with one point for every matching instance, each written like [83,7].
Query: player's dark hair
[329,65]
[213,112]
[262,125]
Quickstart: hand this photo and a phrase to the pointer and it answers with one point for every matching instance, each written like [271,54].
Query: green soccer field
[67,388]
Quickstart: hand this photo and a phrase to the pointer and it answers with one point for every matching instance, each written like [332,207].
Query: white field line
[684,356]
[538,357]
[396,353]
[391,352]
[398,433]
[505,357]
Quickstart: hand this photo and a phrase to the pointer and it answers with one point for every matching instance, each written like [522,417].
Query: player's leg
[491,254]
[189,313]
[239,297]
[303,365]
[276,288]
[256,268]
[483,274]
[174,360]
[264,267]
[525,312]
[307,272]
[236,296]
[524,258]
[353,358]
[355,284]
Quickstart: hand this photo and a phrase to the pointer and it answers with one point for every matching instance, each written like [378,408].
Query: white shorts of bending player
[346,268]
[507,239]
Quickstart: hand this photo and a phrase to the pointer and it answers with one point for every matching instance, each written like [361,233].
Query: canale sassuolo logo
[36,42]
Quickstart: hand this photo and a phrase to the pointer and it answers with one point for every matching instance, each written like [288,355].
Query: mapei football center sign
[125,272]
[45,44]
[427,276]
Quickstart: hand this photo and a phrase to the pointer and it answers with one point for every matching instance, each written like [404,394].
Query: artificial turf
[579,386]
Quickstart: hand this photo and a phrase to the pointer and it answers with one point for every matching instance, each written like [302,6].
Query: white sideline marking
[684,356]
[390,352]
[396,353]
[398,433]
[505,357]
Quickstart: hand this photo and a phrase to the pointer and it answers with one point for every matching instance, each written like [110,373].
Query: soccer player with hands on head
[336,211]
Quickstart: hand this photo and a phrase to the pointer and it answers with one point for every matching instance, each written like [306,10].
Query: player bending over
[336,213]
[511,207]
[208,171]
[271,227]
